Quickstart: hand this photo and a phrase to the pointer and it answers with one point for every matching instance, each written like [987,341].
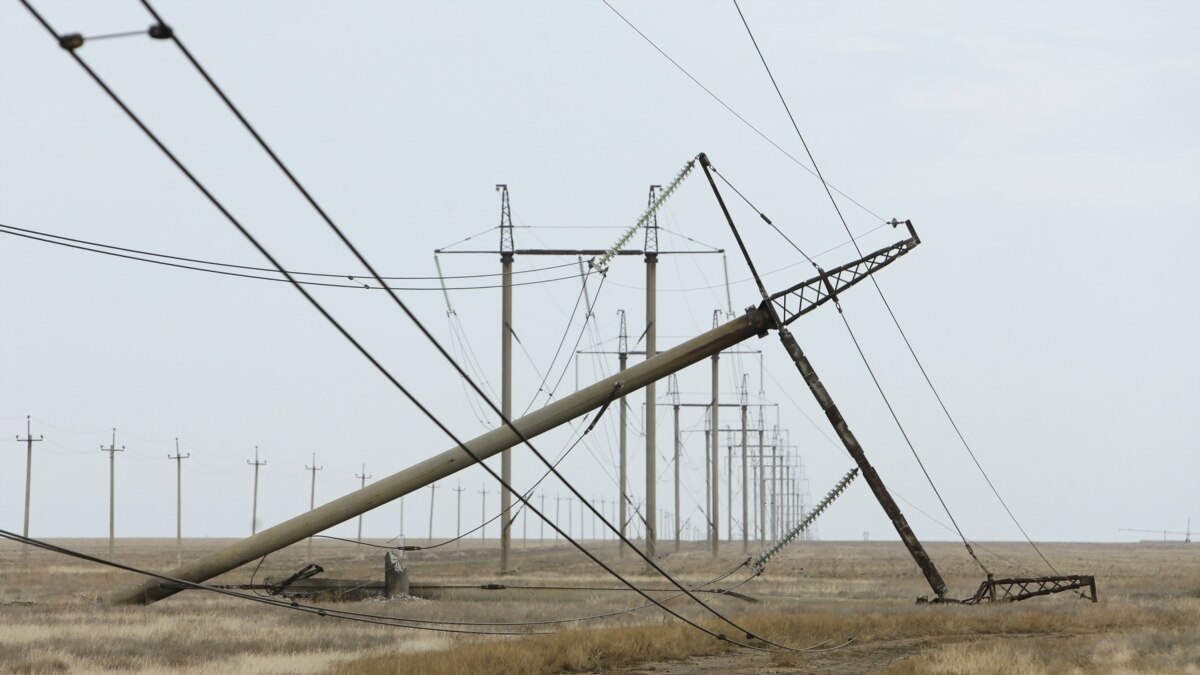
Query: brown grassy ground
[1148,619]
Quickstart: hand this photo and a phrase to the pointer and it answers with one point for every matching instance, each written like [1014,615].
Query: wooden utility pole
[483,492]
[506,260]
[112,451]
[364,476]
[458,515]
[178,501]
[312,492]
[254,503]
[432,492]
[29,441]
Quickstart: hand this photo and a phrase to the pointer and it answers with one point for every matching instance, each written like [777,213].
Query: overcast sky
[1048,154]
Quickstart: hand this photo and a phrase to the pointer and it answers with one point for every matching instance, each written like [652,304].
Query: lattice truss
[793,303]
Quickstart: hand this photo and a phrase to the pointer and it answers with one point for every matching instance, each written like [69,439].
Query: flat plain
[854,601]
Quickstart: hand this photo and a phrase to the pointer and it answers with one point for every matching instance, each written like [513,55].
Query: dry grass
[1148,619]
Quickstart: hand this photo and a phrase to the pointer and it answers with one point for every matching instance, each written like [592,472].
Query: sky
[1047,154]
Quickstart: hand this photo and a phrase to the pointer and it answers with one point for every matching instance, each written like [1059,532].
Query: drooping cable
[733,112]
[114,251]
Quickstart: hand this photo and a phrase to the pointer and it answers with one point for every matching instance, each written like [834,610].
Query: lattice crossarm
[804,297]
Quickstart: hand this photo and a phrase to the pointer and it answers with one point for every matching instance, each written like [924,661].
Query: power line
[252,268]
[735,113]
[52,239]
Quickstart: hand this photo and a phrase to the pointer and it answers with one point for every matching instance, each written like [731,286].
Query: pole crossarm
[793,303]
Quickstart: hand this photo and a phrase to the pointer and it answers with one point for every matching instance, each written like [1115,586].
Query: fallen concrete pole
[754,322]
[793,302]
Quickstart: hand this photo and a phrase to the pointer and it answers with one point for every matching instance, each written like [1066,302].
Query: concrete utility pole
[112,451]
[762,481]
[708,528]
[458,516]
[557,513]
[745,465]
[542,520]
[254,502]
[432,492]
[674,386]
[715,450]
[570,500]
[363,476]
[29,441]
[729,484]
[312,493]
[483,492]
[651,249]
[506,260]
[623,498]
[178,501]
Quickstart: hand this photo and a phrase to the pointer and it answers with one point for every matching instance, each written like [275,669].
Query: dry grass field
[1147,620]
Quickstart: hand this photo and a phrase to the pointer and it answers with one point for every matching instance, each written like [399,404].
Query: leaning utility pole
[312,493]
[254,503]
[458,516]
[363,476]
[800,300]
[29,441]
[112,451]
[651,249]
[781,314]
[178,501]
[506,261]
